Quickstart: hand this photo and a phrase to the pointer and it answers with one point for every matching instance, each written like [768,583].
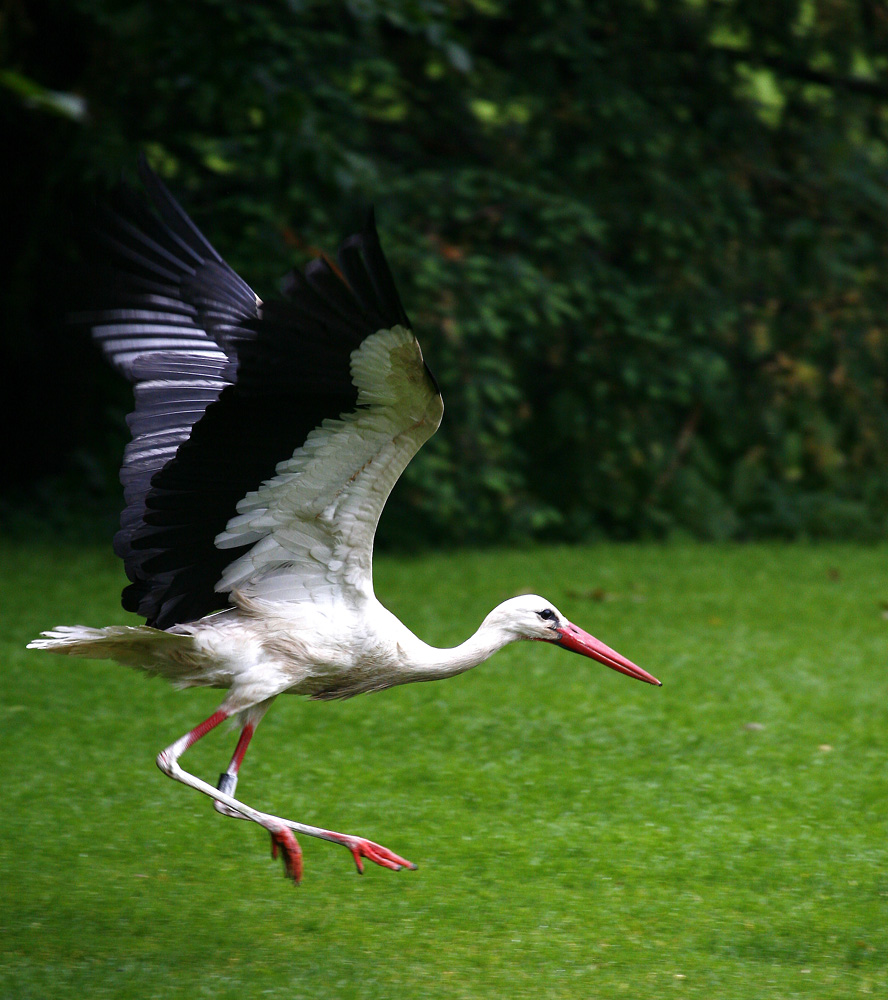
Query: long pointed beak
[578,641]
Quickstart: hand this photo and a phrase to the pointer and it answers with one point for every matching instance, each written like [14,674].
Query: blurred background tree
[643,242]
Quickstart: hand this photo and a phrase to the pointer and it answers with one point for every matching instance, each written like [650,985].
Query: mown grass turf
[578,834]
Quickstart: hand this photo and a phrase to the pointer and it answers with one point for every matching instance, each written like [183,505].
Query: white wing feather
[312,525]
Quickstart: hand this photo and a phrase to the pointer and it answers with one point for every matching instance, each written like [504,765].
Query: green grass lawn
[578,834]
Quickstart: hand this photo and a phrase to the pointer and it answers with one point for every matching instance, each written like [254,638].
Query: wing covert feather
[312,526]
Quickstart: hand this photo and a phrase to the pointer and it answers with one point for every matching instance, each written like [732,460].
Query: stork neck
[439,663]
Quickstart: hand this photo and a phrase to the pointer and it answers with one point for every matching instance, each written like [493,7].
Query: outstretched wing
[310,529]
[266,436]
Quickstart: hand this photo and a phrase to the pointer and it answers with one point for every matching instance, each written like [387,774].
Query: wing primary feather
[377,270]
[173,214]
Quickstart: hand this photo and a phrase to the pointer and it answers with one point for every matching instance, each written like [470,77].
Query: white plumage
[266,440]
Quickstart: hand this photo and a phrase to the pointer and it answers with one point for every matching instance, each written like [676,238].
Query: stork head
[532,617]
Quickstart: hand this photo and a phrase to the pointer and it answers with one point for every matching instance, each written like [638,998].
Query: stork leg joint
[167,763]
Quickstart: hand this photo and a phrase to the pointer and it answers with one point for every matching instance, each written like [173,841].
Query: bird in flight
[266,438]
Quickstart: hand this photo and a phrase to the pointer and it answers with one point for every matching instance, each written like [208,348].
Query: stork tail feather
[150,649]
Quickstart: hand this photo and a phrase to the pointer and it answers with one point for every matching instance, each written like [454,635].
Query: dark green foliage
[643,243]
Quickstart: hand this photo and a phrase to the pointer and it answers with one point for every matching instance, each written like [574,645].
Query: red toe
[291,851]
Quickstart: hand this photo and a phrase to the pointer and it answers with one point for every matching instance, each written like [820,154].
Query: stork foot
[361,848]
[283,840]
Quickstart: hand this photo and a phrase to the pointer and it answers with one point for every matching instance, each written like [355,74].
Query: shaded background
[643,244]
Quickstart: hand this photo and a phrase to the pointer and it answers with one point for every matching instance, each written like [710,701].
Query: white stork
[266,437]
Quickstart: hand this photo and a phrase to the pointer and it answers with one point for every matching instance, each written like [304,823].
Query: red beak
[578,641]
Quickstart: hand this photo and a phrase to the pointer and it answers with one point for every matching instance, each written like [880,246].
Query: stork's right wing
[266,436]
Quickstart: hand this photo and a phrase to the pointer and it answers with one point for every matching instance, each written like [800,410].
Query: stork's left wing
[266,436]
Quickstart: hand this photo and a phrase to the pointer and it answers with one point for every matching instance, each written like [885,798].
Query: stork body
[266,440]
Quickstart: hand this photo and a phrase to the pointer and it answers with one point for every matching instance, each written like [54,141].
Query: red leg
[281,830]
[281,836]
[228,778]
[174,751]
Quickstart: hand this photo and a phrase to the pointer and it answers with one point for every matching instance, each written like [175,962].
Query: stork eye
[548,615]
